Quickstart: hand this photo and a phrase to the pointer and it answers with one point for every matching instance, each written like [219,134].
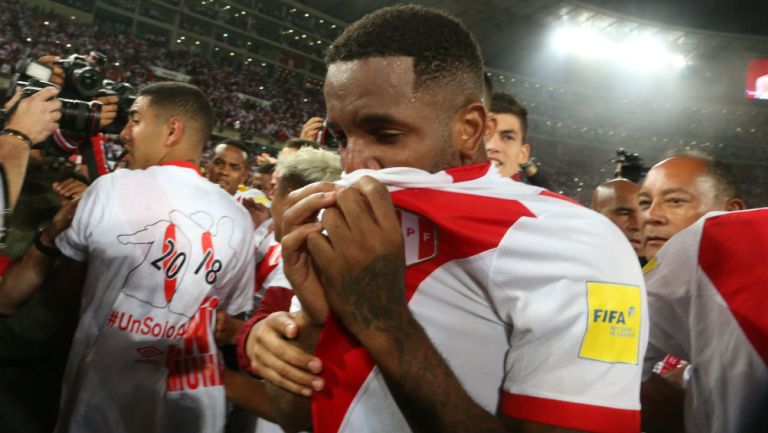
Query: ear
[174,131]
[491,124]
[525,153]
[735,204]
[469,130]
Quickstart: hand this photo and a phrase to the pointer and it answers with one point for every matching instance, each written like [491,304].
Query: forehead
[229,153]
[141,105]
[508,122]
[684,173]
[381,81]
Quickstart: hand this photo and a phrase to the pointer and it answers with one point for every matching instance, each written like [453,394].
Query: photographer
[34,119]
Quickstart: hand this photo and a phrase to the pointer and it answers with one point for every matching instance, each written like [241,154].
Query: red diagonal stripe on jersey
[467,225]
[732,255]
[267,264]
[169,285]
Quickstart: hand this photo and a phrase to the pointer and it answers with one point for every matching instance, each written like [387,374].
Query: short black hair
[444,51]
[722,173]
[266,168]
[236,144]
[504,103]
[173,98]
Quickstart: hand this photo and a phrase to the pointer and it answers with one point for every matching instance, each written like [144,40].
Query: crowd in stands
[245,97]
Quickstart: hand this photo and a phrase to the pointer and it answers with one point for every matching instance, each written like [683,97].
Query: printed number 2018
[177,261]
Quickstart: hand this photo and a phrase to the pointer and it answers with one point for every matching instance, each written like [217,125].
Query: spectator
[262,177]
[229,167]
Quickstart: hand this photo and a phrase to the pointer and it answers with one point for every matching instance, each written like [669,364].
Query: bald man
[680,190]
[617,200]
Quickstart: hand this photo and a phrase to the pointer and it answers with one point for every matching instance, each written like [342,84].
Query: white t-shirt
[537,304]
[165,250]
[708,301]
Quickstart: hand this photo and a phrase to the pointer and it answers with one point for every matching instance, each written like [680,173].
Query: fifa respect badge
[613,323]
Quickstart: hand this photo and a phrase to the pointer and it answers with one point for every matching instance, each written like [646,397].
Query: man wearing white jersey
[164,250]
[706,292]
[458,300]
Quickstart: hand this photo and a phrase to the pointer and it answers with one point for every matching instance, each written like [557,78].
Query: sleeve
[570,291]
[671,279]
[242,278]
[91,211]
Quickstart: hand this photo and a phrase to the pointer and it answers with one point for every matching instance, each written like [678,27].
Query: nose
[356,156]
[125,134]
[654,215]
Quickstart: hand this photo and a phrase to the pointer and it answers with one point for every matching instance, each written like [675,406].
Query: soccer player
[159,249]
[457,300]
[229,167]
[508,146]
[706,294]
[617,200]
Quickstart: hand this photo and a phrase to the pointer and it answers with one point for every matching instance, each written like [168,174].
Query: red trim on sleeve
[185,164]
[468,172]
[548,193]
[576,416]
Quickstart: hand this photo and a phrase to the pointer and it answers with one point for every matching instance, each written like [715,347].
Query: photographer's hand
[108,109]
[310,129]
[38,115]
[58,73]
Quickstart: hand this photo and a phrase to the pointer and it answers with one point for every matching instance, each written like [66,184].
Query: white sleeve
[75,242]
[241,278]
[671,279]
[570,289]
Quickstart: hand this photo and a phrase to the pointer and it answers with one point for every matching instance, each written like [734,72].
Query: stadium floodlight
[642,52]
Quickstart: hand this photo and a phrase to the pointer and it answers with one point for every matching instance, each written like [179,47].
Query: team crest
[420,237]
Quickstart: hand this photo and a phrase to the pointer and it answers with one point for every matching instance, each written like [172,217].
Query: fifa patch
[419,235]
[613,323]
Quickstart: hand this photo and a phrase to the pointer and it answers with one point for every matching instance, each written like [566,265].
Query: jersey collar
[184,164]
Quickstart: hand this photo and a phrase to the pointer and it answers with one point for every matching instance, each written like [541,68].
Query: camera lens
[87,81]
[80,116]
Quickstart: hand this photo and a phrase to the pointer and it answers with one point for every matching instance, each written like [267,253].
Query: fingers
[380,201]
[294,241]
[70,188]
[277,360]
[57,77]
[311,128]
[37,116]
[304,204]
[11,102]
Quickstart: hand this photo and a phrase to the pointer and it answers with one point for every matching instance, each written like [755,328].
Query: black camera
[79,116]
[83,75]
[629,166]
[126,94]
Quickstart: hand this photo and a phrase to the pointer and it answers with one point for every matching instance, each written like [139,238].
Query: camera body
[126,94]
[77,116]
[83,75]
[629,166]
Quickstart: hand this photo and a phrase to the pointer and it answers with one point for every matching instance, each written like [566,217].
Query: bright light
[640,52]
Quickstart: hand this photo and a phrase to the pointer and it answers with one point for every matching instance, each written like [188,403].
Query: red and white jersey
[165,250]
[269,270]
[708,302]
[537,304]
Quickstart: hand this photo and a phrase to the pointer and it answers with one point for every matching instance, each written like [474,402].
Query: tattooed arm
[364,284]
